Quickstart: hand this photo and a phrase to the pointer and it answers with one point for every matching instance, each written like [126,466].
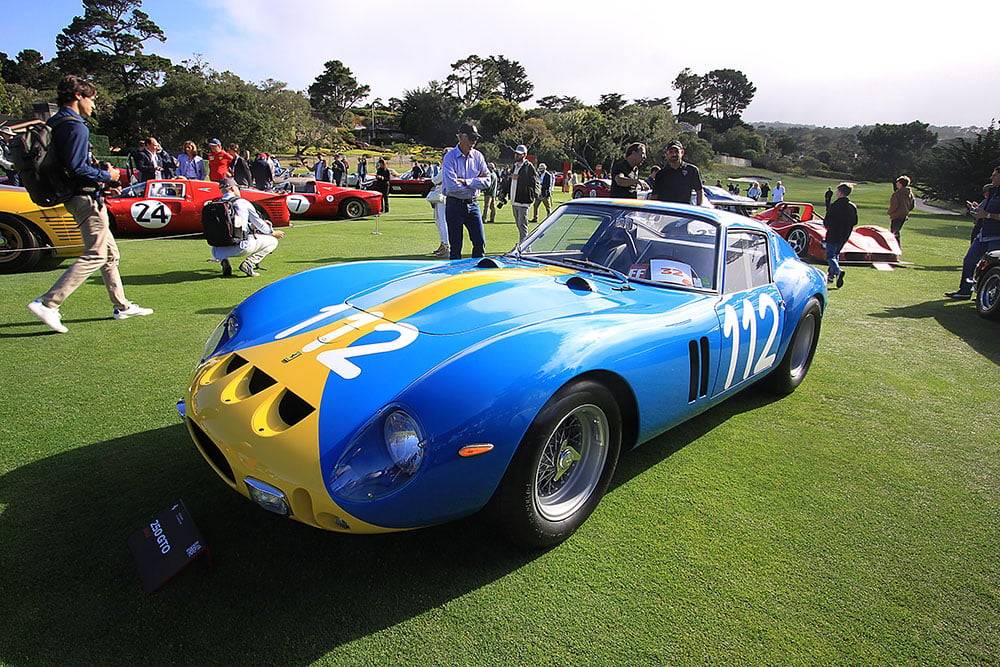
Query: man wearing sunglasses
[465,175]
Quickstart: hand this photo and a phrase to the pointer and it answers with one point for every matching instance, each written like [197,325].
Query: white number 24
[733,325]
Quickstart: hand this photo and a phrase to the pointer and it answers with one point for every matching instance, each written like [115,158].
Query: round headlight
[404,441]
[226,330]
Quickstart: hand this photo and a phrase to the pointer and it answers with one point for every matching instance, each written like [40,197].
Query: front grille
[211,451]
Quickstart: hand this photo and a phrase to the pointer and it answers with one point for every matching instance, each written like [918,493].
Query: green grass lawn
[854,522]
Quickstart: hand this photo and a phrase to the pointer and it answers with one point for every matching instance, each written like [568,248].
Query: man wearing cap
[261,240]
[6,134]
[677,180]
[625,181]
[219,161]
[465,175]
[520,185]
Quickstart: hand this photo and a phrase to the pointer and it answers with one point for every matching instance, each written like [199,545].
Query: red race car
[404,185]
[174,206]
[595,187]
[800,225]
[327,201]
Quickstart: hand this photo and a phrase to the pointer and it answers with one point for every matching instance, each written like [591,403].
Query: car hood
[443,302]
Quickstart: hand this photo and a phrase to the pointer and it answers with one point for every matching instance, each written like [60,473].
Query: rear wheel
[798,357]
[798,238]
[577,194]
[562,467]
[19,248]
[353,208]
[988,294]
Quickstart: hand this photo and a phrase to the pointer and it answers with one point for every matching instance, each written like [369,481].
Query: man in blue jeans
[841,218]
[987,216]
[465,175]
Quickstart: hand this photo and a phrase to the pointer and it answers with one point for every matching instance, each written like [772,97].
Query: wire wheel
[571,463]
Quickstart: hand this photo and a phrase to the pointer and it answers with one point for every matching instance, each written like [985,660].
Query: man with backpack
[234,229]
[70,143]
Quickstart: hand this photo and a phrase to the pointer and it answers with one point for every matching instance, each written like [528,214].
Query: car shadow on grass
[958,317]
[280,592]
[635,462]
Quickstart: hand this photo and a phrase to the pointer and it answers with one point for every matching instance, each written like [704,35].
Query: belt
[464,201]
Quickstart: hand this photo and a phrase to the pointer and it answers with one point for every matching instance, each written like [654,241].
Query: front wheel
[988,294]
[798,357]
[562,467]
[19,249]
[577,194]
[353,208]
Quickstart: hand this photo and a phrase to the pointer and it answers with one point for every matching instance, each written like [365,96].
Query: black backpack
[218,221]
[42,173]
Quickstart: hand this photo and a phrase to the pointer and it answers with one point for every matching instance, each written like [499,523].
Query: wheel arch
[624,396]
[31,250]
[37,232]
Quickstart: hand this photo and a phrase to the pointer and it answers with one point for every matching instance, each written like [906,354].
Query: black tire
[577,194]
[562,467]
[792,370]
[353,208]
[19,247]
[988,294]
[798,238]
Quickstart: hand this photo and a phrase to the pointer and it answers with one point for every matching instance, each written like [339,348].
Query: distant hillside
[944,132]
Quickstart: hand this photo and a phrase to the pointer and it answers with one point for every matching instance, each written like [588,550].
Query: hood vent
[489,263]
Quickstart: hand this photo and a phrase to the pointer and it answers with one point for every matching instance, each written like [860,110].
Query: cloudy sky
[835,64]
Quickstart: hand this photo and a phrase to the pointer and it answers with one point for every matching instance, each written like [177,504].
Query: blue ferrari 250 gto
[388,395]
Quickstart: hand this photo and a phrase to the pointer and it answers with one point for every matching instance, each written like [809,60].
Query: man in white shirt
[262,237]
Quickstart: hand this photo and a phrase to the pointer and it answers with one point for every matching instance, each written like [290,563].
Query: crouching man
[261,238]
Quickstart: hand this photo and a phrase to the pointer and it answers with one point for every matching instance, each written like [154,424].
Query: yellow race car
[29,232]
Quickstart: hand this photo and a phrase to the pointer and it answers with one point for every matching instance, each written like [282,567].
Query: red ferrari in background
[404,185]
[328,201]
[595,187]
[800,225]
[174,206]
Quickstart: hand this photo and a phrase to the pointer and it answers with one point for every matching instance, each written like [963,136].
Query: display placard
[165,545]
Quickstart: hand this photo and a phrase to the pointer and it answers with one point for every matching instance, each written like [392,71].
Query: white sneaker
[50,316]
[132,311]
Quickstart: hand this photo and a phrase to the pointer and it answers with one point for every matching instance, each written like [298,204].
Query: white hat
[522,149]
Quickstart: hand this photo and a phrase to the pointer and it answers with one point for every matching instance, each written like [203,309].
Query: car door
[751,311]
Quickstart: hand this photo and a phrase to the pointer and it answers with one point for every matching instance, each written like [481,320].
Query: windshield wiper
[587,264]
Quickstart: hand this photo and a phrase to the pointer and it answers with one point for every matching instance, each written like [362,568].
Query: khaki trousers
[99,252]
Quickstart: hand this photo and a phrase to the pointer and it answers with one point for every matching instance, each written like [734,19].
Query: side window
[166,190]
[747,261]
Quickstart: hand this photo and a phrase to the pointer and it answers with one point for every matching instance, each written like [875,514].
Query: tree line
[142,94]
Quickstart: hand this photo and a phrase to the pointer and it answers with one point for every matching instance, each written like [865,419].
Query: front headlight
[226,331]
[404,441]
[382,458]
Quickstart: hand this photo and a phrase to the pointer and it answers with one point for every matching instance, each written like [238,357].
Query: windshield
[137,191]
[646,245]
